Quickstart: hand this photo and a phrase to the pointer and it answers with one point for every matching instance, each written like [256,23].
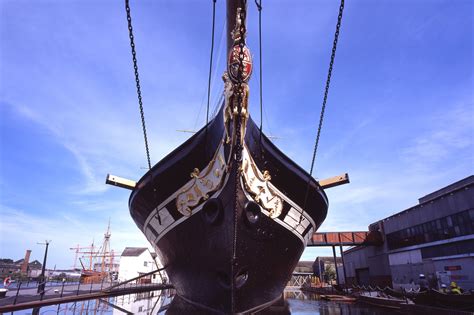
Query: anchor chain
[328,81]
[238,125]
[238,87]
[137,80]
[259,7]
[323,107]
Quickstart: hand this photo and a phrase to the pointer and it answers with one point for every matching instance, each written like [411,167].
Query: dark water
[159,302]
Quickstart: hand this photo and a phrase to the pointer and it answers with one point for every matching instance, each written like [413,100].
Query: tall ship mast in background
[96,264]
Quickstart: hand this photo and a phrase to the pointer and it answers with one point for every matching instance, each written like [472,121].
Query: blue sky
[399,116]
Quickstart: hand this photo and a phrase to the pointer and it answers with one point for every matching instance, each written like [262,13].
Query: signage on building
[452,268]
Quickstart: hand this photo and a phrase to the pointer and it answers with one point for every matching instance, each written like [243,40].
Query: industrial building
[22,267]
[434,238]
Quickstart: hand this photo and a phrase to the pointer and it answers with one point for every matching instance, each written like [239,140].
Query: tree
[329,273]
[61,276]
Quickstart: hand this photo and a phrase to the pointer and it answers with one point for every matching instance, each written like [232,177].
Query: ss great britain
[227,212]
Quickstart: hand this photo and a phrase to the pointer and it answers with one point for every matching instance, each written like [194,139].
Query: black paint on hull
[227,262]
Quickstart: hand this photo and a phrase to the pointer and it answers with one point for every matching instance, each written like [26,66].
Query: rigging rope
[137,80]
[210,63]
[213,80]
[326,91]
[217,98]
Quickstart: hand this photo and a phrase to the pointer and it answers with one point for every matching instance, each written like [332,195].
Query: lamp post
[42,283]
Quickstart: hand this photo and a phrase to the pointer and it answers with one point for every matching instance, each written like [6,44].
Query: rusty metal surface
[346,238]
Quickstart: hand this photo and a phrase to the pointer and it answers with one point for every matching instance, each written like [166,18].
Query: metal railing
[55,289]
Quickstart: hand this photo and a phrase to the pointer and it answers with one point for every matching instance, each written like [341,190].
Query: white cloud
[65,230]
[91,183]
[451,130]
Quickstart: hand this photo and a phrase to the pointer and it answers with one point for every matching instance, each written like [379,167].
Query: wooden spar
[232,6]
[334,181]
[120,182]
[185,130]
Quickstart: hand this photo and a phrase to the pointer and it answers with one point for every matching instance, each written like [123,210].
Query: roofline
[420,205]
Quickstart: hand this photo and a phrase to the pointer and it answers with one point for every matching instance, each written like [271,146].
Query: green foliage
[60,277]
[329,273]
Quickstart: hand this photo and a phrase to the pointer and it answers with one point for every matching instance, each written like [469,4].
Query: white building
[136,261]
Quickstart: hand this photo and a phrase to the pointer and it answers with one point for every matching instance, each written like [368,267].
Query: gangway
[333,239]
[365,238]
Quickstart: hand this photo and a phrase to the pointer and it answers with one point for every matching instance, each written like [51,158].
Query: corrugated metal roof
[456,186]
[133,251]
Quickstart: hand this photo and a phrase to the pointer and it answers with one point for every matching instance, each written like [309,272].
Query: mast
[106,250]
[232,6]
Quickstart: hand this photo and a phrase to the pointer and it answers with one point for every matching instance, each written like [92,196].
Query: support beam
[343,265]
[120,182]
[334,181]
[335,264]
[321,279]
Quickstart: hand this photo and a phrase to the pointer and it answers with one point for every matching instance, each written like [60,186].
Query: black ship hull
[229,235]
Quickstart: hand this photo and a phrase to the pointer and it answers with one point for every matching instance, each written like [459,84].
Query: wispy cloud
[65,231]
[380,189]
[91,183]
[450,131]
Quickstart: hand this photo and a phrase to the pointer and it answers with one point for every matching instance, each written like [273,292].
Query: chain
[259,7]
[137,80]
[238,144]
[326,91]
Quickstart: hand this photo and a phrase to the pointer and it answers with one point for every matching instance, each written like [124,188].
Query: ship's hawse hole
[212,211]
[252,212]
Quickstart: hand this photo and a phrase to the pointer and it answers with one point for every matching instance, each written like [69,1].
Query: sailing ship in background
[227,212]
[97,263]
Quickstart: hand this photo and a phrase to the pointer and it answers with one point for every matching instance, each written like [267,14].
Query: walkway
[29,298]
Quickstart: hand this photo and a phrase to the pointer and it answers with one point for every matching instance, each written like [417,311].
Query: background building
[304,266]
[434,238]
[136,261]
[10,268]
[325,270]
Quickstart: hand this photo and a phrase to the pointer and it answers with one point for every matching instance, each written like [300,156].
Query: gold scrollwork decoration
[257,183]
[202,183]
